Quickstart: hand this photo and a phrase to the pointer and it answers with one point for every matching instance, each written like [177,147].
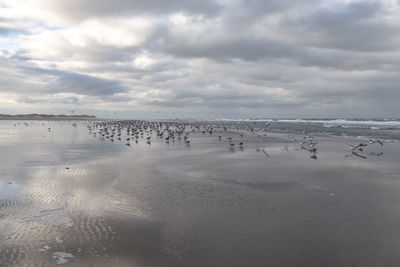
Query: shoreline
[47,117]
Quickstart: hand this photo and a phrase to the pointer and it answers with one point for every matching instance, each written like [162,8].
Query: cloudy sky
[201,59]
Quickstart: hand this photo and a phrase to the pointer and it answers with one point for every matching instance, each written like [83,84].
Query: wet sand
[67,197]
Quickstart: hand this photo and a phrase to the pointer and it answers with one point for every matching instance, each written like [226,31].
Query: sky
[201,59]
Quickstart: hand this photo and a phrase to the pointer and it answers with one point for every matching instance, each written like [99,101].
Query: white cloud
[143,62]
[61,43]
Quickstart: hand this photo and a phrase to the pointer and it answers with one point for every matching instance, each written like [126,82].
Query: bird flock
[131,132]
[360,149]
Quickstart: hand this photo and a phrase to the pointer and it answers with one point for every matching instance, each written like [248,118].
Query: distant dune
[46,117]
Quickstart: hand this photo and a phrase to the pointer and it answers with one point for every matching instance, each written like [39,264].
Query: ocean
[387,129]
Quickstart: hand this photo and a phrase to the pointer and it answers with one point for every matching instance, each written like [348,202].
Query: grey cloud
[12,26]
[87,85]
[231,47]
[53,100]
[251,10]
[117,98]
[4,31]
[198,93]
[337,37]
[258,49]
[83,9]
[223,103]
[321,58]
[7,31]
[70,82]
[355,26]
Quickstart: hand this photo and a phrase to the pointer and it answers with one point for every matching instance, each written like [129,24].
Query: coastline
[46,117]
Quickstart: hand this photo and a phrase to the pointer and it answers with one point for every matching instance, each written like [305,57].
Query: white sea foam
[328,122]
